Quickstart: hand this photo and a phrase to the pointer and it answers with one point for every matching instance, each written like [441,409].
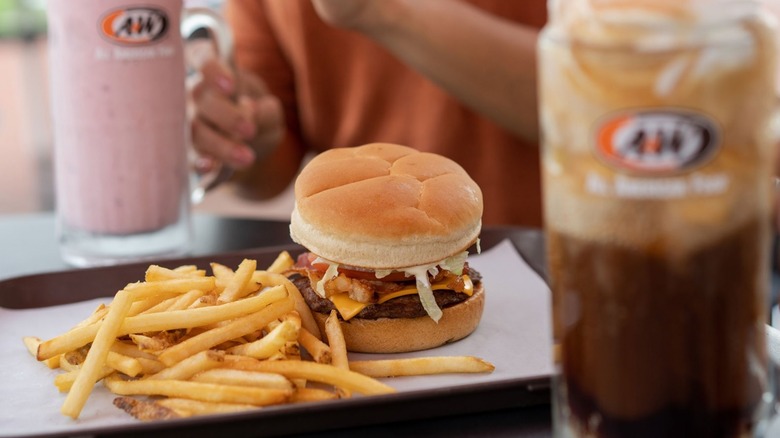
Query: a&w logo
[656,141]
[134,25]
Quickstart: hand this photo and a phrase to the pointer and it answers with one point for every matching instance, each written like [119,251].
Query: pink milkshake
[118,99]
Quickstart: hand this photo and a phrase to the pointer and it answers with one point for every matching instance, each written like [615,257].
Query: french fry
[302,395]
[96,316]
[237,328]
[225,376]
[238,285]
[209,299]
[251,337]
[157,291]
[172,287]
[170,408]
[185,301]
[64,381]
[32,343]
[179,302]
[419,366]
[91,369]
[124,364]
[292,350]
[154,343]
[106,335]
[282,263]
[150,366]
[312,371]
[205,360]
[269,344]
[72,360]
[131,349]
[189,318]
[294,317]
[196,407]
[338,347]
[161,306]
[144,306]
[222,273]
[146,410]
[159,273]
[307,319]
[299,382]
[198,391]
[318,350]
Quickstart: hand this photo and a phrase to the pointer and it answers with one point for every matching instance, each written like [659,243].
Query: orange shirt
[341,89]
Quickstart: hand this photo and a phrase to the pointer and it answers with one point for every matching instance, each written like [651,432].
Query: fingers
[215,101]
[212,143]
[216,75]
[267,128]
[224,114]
[220,126]
[219,130]
[236,119]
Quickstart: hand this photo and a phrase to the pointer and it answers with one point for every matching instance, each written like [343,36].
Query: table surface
[30,247]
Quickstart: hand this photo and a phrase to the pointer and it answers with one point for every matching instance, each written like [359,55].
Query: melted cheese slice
[348,307]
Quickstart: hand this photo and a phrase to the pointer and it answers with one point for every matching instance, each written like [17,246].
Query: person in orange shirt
[454,77]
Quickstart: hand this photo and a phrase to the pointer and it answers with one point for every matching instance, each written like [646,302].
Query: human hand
[236,121]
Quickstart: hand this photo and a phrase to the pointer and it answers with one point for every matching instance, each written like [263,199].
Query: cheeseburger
[387,229]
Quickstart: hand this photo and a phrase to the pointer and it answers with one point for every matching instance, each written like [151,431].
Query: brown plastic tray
[42,290]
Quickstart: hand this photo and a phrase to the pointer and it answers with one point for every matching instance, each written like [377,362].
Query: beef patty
[407,306]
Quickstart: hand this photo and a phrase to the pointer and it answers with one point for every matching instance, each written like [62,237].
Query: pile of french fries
[192,344]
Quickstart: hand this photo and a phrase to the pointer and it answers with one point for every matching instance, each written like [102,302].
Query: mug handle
[217,31]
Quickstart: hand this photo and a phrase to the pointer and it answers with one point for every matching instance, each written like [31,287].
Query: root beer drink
[657,160]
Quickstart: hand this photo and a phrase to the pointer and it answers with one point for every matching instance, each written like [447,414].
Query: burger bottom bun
[398,335]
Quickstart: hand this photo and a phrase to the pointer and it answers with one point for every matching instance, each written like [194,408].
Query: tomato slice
[355,272]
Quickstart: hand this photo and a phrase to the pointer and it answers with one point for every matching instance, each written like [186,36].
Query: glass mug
[657,176]
[119,122]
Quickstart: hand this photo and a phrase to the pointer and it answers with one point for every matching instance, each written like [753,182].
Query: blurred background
[26,180]
[25,135]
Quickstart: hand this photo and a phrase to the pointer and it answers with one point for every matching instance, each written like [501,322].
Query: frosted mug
[118,99]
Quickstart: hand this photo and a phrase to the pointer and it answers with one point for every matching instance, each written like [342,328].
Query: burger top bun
[385,206]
